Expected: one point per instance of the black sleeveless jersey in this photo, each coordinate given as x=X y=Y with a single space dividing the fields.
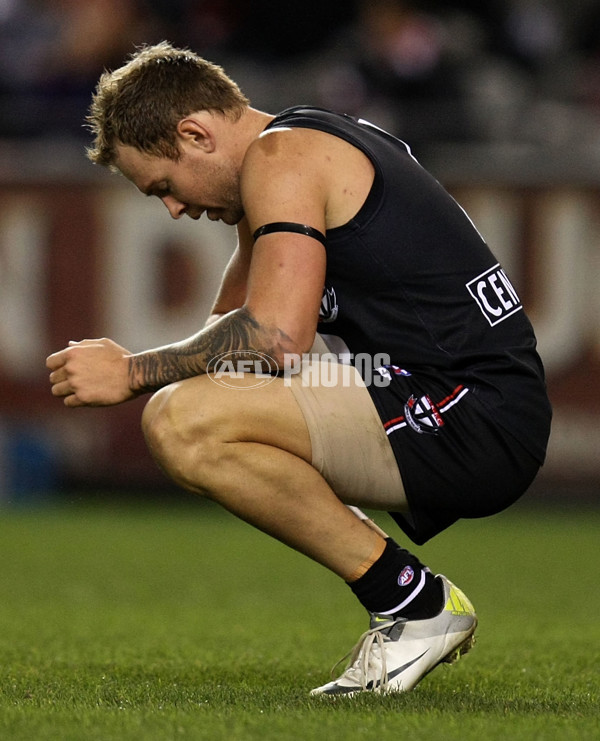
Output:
x=410 y=276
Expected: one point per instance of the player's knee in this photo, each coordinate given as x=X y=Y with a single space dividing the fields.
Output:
x=158 y=425
x=180 y=442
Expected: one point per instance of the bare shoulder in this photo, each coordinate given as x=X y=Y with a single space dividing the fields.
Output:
x=307 y=149
x=282 y=151
x=283 y=180
x=309 y=167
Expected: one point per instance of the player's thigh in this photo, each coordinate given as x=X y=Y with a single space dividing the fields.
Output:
x=327 y=418
x=243 y=408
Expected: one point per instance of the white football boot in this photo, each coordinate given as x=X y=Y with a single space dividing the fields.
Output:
x=395 y=653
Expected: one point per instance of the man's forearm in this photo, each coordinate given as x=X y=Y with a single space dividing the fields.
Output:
x=237 y=331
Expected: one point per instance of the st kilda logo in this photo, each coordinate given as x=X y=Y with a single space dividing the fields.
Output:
x=423 y=415
x=329 y=306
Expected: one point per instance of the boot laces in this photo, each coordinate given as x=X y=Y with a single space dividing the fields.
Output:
x=366 y=661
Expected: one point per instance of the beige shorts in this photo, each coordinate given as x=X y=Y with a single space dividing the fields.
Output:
x=349 y=445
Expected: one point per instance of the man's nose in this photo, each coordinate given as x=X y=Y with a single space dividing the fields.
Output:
x=175 y=207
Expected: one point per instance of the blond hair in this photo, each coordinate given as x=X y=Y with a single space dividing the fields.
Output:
x=141 y=103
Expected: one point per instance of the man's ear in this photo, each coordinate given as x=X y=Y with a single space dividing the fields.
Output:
x=193 y=132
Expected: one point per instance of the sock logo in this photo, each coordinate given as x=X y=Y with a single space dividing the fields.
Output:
x=406 y=576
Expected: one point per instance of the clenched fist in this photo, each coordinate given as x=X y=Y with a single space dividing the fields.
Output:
x=91 y=373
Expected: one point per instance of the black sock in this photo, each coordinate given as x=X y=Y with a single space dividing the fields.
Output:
x=399 y=584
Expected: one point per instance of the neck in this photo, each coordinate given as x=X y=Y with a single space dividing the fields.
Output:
x=245 y=130
x=254 y=122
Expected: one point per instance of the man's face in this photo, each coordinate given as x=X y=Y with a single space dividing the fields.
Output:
x=195 y=184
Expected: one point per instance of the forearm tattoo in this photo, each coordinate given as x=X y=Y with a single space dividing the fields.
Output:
x=238 y=331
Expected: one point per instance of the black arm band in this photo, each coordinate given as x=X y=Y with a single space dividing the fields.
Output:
x=289 y=226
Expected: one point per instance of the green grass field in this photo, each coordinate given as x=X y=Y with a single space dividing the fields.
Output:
x=142 y=622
